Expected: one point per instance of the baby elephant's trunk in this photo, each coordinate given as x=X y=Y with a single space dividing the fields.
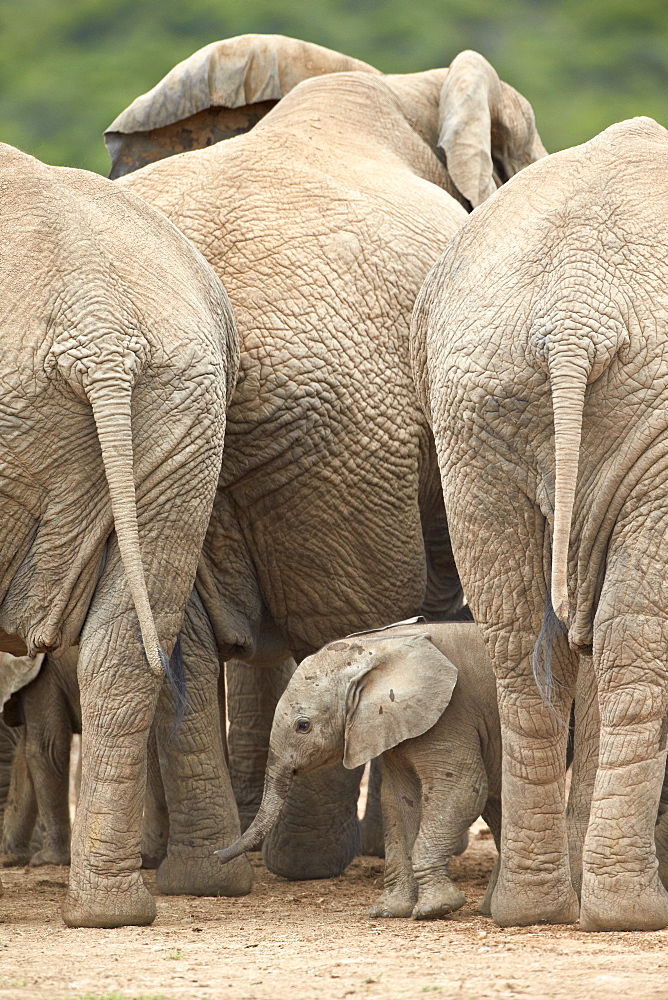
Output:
x=276 y=784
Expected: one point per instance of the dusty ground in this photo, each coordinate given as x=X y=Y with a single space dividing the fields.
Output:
x=312 y=940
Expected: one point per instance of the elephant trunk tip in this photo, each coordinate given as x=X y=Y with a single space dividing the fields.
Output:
x=229 y=853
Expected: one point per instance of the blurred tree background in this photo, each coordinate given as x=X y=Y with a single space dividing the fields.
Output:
x=69 y=67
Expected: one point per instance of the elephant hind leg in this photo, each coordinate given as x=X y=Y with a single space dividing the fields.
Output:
x=202 y=810
x=156 y=816
x=661 y=842
x=621 y=887
x=534 y=881
x=20 y=811
x=585 y=762
x=48 y=742
x=492 y=816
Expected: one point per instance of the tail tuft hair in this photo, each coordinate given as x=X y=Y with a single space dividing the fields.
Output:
x=542 y=651
x=175 y=674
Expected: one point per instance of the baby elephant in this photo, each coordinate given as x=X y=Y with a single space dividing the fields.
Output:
x=423 y=696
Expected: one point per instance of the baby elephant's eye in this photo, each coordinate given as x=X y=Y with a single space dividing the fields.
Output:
x=303 y=726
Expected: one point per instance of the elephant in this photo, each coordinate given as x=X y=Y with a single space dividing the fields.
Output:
x=540 y=353
x=420 y=697
x=119 y=354
x=322 y=221
x=15 y=672
x=47 y=710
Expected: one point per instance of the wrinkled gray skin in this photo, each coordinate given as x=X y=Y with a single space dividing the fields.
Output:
x=323 y=221
x=48 y=710
x=541 y=349
x=422 y=699
x=36 y=760
x=118 y=354
x=15 y=672
x=9 y=741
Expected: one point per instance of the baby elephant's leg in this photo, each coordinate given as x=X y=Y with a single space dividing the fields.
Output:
x=452 y=799
x=400 y=804
x=20 y=811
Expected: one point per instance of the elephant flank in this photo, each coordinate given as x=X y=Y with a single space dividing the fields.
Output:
x=111 y=403
x=568 y=380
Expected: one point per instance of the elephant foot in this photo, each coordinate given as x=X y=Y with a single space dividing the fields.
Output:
x=203 y=875
x=109 y=901
x=622 y=904
x=50 y=856
x=298 y=867
x=297 y=858
x=394 y=903
x=437 y=901
x=520 y=905
x=15 y=859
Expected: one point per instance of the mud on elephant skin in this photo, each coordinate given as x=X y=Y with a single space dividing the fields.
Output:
x=322 y=221
x=541 y=352
x=119 y=352
x=421 y=698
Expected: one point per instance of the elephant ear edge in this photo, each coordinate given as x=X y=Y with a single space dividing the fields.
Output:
x=220 y=91
x=487 y=129
x=401 y=691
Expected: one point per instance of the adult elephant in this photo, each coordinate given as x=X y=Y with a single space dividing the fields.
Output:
x=541 y=348
x=119 y=352
x=323 y=221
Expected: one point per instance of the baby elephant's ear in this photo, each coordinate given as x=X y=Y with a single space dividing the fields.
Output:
x=401 y=690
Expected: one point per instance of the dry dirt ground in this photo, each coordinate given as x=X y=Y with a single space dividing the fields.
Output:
x=312 y=940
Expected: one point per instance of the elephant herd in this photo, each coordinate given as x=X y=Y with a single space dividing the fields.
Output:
x=426 y=313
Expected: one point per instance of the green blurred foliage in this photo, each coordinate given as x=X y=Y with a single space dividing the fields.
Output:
x=68 y=67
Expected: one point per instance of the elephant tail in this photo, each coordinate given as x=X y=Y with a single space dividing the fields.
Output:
x=111 y=402
x=568 y=379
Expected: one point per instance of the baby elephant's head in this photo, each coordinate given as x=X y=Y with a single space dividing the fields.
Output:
x=350 y=701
